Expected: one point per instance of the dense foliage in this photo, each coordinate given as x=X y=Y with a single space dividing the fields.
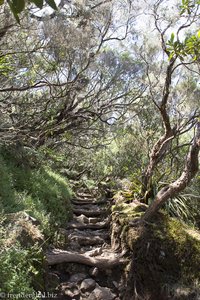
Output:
x=35 y=202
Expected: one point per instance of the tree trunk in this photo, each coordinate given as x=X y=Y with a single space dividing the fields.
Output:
x=156 y=155
x=171 y=190
x=162 y=145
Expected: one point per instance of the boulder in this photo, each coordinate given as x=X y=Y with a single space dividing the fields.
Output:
x=101 y=293
x=87 y=285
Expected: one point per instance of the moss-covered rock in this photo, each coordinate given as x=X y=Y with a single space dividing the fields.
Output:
x=165 y=255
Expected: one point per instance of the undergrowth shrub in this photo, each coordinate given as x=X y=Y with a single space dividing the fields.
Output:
x=20 y=266
x=28 y=190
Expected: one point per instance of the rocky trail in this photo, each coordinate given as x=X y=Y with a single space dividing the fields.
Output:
x=89 y=267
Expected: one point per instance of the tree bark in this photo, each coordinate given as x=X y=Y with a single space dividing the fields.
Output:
x=163 y=143
x=157 y=154
x=171 y=190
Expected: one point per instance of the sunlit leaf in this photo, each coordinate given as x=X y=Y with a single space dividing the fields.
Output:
x=172 y=37
x=38 y=3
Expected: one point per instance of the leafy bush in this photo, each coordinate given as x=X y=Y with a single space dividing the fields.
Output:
x=28 y=189
x=18 y=279
x=17 y=264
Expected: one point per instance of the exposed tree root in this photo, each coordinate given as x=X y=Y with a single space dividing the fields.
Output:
x=59 y=256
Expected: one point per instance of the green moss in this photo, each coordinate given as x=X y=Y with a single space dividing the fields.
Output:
x=127 y=212
x=165 y=253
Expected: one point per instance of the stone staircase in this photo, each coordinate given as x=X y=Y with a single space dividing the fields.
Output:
x=88 y=267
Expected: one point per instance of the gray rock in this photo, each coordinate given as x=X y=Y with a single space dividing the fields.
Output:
x=83 y=219
x=78 y=277
x=101 y=293
x=87 y=285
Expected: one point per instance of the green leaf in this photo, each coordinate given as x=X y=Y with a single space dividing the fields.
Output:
x=19 y=5
x=13 y=9
x=176 y=44
x=198 y=34
x=171 y=55
x=172 y=37
x=52 y=4
x=38 y=3
x=1 y=2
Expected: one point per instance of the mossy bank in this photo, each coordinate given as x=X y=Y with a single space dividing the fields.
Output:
x=164 y=255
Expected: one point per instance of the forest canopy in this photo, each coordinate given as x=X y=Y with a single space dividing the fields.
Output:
x=92 y=73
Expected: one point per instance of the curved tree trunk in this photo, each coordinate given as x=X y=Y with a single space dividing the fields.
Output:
x=157 y=153
x=163 y=143
x=171 y=190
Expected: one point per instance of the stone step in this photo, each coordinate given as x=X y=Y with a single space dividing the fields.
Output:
x=87 y=220
x=88 y=250
x=89 y=212
x=77 y=201
x=82 y=226
x=71 y=232
x=77 y=238
x=84 y=195
x=88 y=241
